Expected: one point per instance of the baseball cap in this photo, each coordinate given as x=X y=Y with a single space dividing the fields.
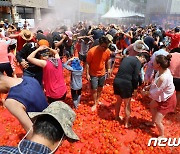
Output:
x=43 y=42
x=62 y=113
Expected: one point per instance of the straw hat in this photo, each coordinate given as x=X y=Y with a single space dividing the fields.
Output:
x=1 y=22
x=26 y=35
x=110 y=38
x=138 y=46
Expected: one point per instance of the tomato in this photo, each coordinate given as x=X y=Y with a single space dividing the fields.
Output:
x=98 y=131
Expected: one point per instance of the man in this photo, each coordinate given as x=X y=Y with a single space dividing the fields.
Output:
x=63 y=42
x=97 y=33
x=150 y=71
x=49 y=128
x=24 y=95
x=135 y=48
x=23 y=37
x=30 y=69
x=175 y=39
x=98 y=59
x=152 y=41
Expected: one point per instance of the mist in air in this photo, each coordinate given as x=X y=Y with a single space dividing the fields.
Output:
x=68 y=12
x=64 y=13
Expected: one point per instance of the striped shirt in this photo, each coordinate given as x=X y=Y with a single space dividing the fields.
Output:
x=26 y=146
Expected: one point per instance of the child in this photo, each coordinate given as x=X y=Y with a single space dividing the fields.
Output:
x=76 y=69
x=11 y=56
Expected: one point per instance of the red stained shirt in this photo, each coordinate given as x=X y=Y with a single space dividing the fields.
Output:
x=175 y=40
x=21 y=42
x=53 y=80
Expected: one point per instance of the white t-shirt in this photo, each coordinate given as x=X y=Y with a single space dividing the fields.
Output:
x=166 y=89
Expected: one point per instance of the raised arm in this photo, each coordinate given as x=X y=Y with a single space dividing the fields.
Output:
x=38 y=62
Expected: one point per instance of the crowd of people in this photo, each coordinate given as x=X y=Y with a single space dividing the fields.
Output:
x=32 y=72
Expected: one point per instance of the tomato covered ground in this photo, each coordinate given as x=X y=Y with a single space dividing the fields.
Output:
x=98 y=131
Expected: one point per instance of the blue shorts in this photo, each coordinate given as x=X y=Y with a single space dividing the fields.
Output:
x=97 y=82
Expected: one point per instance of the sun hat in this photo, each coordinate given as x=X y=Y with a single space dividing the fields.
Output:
x=69 y=34
x=43 y=42
x=63 y=114
x=75 y=64
x=1 y=22
x=26 y=34
x=110 y=38
x=138 y=46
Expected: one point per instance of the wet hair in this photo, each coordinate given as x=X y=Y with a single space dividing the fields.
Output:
x=164 y=61
x=18 y=28
x=11 y=47
x=48 y=127
x=39 y=31
x=86 y=39
x=145 y=55
x=176 y=29
x=104 y=39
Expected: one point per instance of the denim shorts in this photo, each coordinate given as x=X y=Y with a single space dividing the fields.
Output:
x=97 y=81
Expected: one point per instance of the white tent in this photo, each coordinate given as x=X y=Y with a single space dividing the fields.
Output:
x=112 y=13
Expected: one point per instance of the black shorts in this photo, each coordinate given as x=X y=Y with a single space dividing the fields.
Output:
x=82 y=57
x=6 y=67
x=50 y=99
x=123 y=88
x=176 y=82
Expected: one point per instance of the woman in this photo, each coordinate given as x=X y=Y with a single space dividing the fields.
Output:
x=53 y=79
x=24 y=95
x=175 y=70
x=125 y=83
x=162 y=92
x=5 y=65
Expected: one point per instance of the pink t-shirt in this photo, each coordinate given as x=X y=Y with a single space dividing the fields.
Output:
x=12 y=60
x=175 y=65
x=53 y=80
x=4 y=51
